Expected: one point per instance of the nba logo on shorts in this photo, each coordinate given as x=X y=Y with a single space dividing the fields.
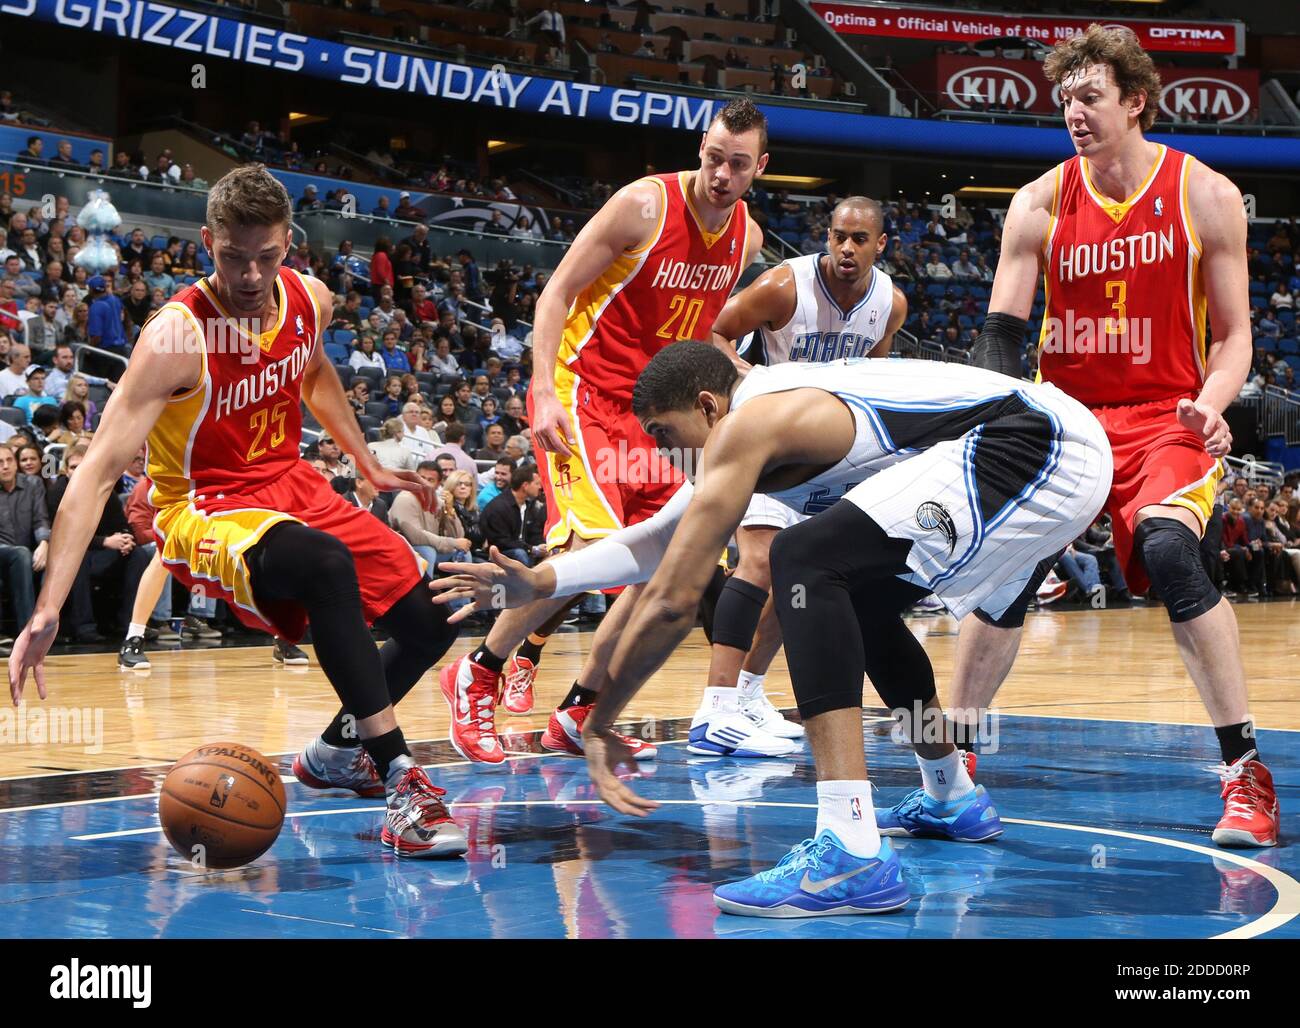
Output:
x=855 y=808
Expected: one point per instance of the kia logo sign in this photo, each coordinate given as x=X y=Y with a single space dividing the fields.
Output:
x=1197 y=95
x=990 y=84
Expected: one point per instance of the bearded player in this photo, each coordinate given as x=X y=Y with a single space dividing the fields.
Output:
x=214 y=389
x=655 y=265
x=812 y=309
x=1130 y=233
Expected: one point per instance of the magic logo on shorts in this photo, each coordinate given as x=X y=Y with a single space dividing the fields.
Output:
x=932 y=517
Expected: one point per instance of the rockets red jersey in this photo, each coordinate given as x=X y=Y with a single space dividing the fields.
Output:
x=671 y=288
x=239 y=427
x=1125 y=317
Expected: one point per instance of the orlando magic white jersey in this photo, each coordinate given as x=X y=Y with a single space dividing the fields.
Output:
x=986 y=474
x=820 y=329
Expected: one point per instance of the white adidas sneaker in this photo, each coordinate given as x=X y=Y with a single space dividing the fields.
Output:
x=719 y=729
x=760 y=710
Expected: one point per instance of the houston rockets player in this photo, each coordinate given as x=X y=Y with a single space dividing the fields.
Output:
x=214 y=389
x=654 y=265
x=816 y=308
x=1126 y=233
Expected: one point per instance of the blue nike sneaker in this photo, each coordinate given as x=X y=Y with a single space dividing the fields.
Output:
x=969 y=819
x=819 y=878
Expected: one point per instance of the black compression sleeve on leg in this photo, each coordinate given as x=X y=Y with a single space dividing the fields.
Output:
x=999 y=344
x=709 y=601
x=297 y=564
x=736 y=618
x=419 y=635
x=818 y=585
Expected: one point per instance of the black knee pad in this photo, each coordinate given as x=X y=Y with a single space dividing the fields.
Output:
x=1014 y=616
x=1172 y=556
x=736 y=618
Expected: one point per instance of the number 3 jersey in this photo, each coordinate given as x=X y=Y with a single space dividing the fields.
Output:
x=1125 y=313
x=239 y=427
x=671 y=288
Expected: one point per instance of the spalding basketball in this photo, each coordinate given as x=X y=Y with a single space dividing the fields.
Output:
x=222 y=805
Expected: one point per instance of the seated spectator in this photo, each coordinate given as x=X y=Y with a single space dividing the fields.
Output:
x=1282 y=298
x=936 y=270
x=490 y=413
x=417 y=355
x=495 y=437
x=453 y=445
x=517 y=449
x=359 y=396
x=31 y=153
x=393 y=395
x=35 y=395
x=72 y=423
x=23 y=285
x=415 y=437
x=382 y=208
x=43 y=333
x=446 y=413
x=482 y=388
x=1282 y=568
x=442 y=361
x=495 y=225
x=365 y=355
x=308 y=201
x=515 y=419
x=1245 y=573
x=24 y=535
x=407 y=211
x=157 y=278
x=460 y=494
x=498 y=480
x=393 y=356
x=113 y=559
x=515 y=521
x=434 y=535
x=390 y=450
x=337 y=464
x=964 y=270
x=422 y=309
x=361 y=492
x=348 y=313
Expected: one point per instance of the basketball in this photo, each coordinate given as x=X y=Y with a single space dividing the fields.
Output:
x=222 y=805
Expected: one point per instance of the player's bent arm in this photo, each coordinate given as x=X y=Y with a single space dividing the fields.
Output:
x=1219 y=219
x=323 y=394
x=665 y=612
x=165 y=361
x=627 y=220
x=767 y=302
x=897 y=315
x=1020 y=260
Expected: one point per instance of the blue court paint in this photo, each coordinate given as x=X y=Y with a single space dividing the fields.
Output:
x=1095 y=813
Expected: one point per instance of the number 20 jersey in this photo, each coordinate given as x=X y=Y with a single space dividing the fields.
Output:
x=669 y=289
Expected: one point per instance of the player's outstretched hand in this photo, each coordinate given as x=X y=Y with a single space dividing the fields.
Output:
x=29 y=655
x=552 y=431
x=495 y=585
x=605 y=755
x=386 y=481
x=1209 y=424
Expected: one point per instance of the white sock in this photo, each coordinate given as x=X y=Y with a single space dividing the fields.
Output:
x=134 y=629
x=946 y=778
x=720 y=697
x=750 y=685
x=845 y=808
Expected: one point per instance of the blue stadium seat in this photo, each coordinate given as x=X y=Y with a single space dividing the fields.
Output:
x=1289 y=346
x=158 y=243
x=344 y=336
x=337 y=353
x=1266 y=343
x=935 y=289
x=965 y=321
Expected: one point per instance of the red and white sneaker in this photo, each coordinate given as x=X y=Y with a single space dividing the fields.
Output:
x=970 y=759
x=1250 y=808
x=320 y=766
x=518 y=694
x=417 y=823
x=471 y=694
x=564 y=734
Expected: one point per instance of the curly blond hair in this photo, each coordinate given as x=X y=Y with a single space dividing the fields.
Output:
x=1132 y=67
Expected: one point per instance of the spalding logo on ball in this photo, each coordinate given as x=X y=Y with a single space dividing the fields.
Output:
x=222 y=805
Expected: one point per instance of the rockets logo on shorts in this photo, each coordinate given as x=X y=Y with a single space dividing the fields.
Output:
x=935 y=517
